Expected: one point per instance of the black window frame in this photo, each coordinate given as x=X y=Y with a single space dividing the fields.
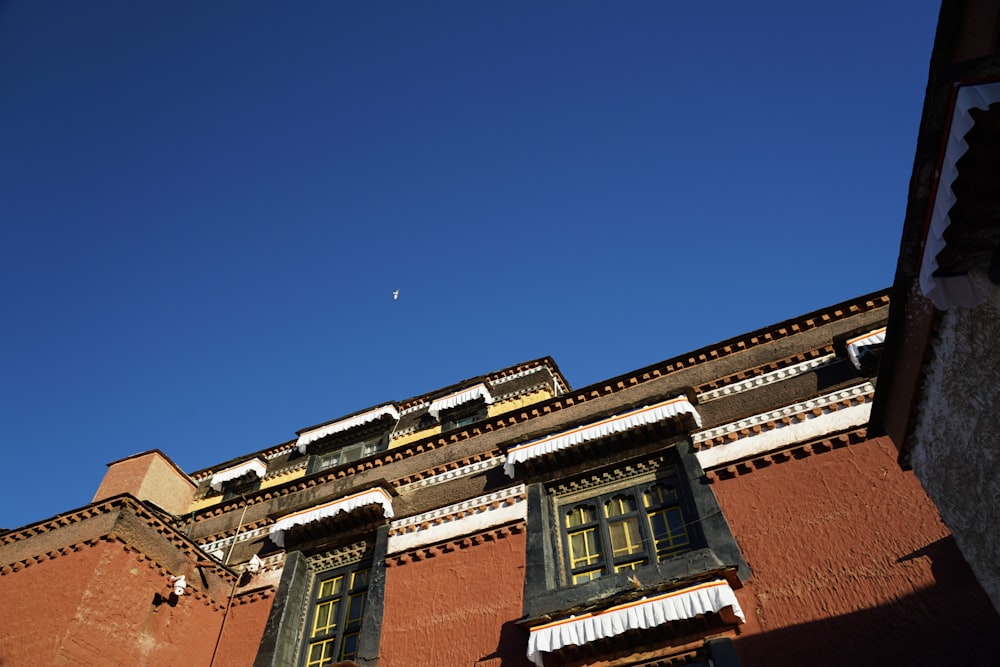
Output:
x=344 y=627
x=460 y=416
x=342 y=451
x=547 y=587
x=606 y=561
x=241 y=486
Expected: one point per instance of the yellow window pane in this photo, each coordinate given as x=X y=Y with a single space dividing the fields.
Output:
x=583 y=549
x=355 y=608
x=659 y=495
x=359 y=579
x=349 y=651
x=619 y=505
x=625 y=537
x=330 y=587
x=625 y=567
x=326 y=617
x=320 y=653
x=669 y=531
x=584 y=577
x=580 y=515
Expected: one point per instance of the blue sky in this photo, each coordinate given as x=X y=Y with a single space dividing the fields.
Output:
x=206 y=206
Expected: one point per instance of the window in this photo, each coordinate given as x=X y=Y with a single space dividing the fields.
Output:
x=624 y=529
x=346 y=454
x=240 y=487
x=649 y=520
x=459 y=418
x=338 y=604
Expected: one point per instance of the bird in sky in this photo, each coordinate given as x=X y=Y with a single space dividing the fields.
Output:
x=395 y=294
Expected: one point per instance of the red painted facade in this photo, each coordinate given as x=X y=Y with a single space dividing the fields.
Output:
x=849 y=559
x=751 y=524
x=457 y=607
x=105 y=604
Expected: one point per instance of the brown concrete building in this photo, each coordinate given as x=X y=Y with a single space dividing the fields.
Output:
x=723 y=507
x=939 y=382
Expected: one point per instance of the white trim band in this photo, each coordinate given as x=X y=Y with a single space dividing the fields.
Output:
x=650 y=414
x=458 y=398
x=465 y=518
x=312 y=436
x=235 y=472
x=712 y=596
x=855 y=345
x=782 y=435
x=348 y=504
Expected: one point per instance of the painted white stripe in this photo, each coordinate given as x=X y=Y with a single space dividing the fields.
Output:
x=782 y=435
x=477 y=515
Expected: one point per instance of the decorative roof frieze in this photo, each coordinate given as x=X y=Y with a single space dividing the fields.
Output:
x=455 y=473
x=765 y=379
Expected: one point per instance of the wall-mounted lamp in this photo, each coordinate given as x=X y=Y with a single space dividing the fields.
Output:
x=178 y=584
x=254 y=564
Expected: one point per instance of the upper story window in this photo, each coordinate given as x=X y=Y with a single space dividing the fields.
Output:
x=239 y=479
x=640 y=521
x=337 y=610
x=347 y=453
x=240 y=487
x=459 y=418
x=624 y=529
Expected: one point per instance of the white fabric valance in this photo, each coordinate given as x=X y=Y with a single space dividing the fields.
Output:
x=235 y=472
x=641 y=614
x=344 y=424
x=855 y=345
x=348 y=504
x=459 y=397
x=650 y=414
x=961 y=290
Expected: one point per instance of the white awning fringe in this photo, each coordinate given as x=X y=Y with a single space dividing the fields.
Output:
x=348 y=504
x=344 y=424
x=855 y=345
x=960 y=290
x=641 y=614
x=235 y=472
x=458 y=398
x=650 y=414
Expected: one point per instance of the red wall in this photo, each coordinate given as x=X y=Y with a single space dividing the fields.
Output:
x=95 y=606
x=457 y=608
x=851 y=565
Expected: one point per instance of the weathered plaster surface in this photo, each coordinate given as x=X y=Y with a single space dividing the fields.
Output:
x=956 y=450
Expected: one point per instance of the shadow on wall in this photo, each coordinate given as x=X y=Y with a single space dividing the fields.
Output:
x=511 y=649
x=949 y=623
